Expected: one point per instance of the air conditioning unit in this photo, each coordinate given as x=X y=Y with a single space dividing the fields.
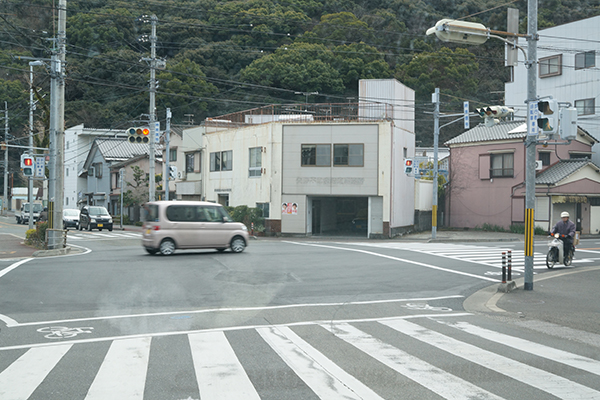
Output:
x=181 y=175
x=538 y=165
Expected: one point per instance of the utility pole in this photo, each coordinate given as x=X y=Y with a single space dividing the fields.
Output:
x=31 y=108
x=167 y=174
x=5 y=200
x=56 y=188
x=121 y=172
x=436 y=135
x=152 y=183
x=530 y=141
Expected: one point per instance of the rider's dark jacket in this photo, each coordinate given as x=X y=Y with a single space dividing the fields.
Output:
x=564 y=228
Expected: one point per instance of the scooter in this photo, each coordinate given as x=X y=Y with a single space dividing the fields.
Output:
x=555 y=253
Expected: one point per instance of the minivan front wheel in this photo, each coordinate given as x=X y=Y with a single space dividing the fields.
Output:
x=167 y=247
x=238 y=244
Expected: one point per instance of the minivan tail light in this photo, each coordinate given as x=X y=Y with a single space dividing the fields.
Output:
x=155 y=228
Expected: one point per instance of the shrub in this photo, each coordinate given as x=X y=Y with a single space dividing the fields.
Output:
x=247 y=215
x=37 y=237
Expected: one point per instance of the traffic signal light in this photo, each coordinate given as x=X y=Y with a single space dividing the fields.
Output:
x=138 y=135
x=548 y=118
x=408 y=166
x=568 y=123
x=172 y=172
x=491 y=114
x=27 y=164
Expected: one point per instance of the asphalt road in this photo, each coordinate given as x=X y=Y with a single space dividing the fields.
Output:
x=286 y=319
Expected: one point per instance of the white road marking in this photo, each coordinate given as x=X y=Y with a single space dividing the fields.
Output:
x=398 y=259
x=122 y=374
x=219 y=373
x=232 y=328
x=21 y=378
x=322 y=375
x=13 y=266
x=228 y=309
x=427 y=375
x=540 y=350
x=542 y=380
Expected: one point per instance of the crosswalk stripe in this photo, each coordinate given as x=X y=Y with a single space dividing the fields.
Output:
x=122 y=374
x=427 y=375
x=22 y=377
x=545 y=381
x=218 y=370
x=322 y=375
x=573 y=360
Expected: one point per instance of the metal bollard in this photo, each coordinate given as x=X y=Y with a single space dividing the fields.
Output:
x=509 y=277
x=503 y=267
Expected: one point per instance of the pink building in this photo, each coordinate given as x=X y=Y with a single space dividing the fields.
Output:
x=487 y=179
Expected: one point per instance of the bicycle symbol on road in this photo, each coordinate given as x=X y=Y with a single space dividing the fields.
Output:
x=425 y=306
x=62 y=332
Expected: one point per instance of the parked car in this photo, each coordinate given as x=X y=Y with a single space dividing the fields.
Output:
x=22 y=215
x=170 y=225
x=70 y=218
x=95 y=217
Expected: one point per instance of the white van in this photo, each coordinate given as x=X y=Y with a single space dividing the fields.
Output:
x=170 y=225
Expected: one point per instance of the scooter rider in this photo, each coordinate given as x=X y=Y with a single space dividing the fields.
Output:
x=566 y=229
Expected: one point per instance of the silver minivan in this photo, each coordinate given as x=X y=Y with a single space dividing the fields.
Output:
x=170 y=225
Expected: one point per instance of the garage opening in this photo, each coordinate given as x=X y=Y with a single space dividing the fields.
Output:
x=339 y=216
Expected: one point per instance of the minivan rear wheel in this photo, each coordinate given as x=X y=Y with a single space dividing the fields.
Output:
x=167 y=247
x=238 y=244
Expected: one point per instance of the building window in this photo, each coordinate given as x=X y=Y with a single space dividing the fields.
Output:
x=551 y=66
x=172 y=154
x=502 y=165
x=189 y=162
x=98 y=170
x=221 y=161
x=264 y=207
x=585 y=106
x=318 y=155
x=580 y=155
x=254 y=169
x=348 y=154
x=585 y=60
x=544 y=157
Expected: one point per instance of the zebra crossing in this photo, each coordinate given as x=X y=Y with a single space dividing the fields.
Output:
x=85 y=235
x=450 y=357
x=489 y=256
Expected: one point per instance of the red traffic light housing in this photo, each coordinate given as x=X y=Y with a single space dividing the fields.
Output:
x=138 y=135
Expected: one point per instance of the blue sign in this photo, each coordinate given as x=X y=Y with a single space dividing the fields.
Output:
x=466 y=109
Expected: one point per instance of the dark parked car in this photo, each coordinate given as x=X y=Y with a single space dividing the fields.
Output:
x=70 y=218
x=95 y=217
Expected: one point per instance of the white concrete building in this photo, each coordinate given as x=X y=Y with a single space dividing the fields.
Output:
x=78 y=142
x=567 y=71
x=313 y=169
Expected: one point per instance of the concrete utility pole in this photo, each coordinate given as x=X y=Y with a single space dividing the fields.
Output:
x=56 y=190
x=152 y=183
x=436 y=135
x=530 y=141
x=5 y=199
x=167 y=174
x=31 y=108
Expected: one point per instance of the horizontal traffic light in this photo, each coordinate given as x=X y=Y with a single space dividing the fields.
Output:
x=138 y=135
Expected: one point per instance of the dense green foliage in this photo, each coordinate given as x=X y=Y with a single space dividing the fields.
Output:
x=226 y=56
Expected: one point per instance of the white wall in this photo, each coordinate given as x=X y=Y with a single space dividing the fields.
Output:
x=572 y=84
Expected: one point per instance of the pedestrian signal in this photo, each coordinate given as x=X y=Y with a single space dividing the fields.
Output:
x=408 y=166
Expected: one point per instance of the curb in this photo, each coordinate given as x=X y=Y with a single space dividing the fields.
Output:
x=56 y=252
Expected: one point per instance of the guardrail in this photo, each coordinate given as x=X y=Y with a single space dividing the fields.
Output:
x=56 y=238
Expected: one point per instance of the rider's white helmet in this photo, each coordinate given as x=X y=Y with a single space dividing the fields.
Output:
x=564 y=214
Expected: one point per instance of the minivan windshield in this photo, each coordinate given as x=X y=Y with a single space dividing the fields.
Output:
x=98 y=211
x=69 y=212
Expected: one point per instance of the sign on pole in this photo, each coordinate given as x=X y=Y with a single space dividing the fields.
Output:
x=532 y=118
x=466 y=109
x=40 y=166
x=157 y=132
